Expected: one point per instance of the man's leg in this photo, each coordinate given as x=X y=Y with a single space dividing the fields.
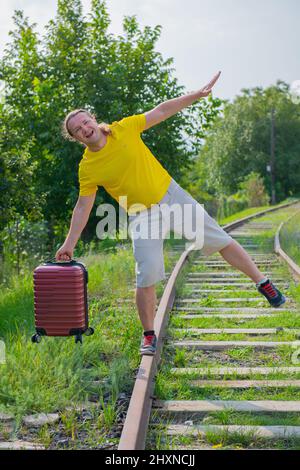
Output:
x=146 y=300
x=146 y=305
x=149 y=257
x=235 y=255
x=215 y=237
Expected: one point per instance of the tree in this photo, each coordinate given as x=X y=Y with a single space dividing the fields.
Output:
x=79 y=64
x=17 y=125
x=253 y=190
x=239 y=142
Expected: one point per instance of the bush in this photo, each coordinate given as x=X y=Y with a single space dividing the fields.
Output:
x=230 y=205
x=290 y=237
x=253 y=190
x=24 y=244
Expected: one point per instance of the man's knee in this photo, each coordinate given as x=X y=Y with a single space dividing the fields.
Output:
x=148 y=280
x=146 y=289
x=229 y=244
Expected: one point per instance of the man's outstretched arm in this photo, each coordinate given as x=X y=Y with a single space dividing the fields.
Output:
x=169 y=108
x=79 y=220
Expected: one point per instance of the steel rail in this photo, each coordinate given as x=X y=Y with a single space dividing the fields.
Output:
x=134 y=431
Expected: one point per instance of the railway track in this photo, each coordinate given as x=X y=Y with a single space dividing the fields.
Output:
x=224 y=374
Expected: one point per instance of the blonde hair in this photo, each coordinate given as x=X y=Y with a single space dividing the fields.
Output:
x=66 y=131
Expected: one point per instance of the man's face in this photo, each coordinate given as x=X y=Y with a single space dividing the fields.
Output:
x=84 y=128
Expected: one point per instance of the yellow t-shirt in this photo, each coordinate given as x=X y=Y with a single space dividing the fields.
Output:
x=125 y=167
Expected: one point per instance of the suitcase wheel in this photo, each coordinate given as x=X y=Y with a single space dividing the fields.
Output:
x=78 y=339
x=36 y=338
x=89 y=331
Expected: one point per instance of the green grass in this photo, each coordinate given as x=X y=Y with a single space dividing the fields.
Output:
x=280 y=336
x=56 y=373
x=182 y=389
x=242 y=214
x=249 y=211
x=285 y=320
x=290 y=238
x=222 y=441
x=230 y=416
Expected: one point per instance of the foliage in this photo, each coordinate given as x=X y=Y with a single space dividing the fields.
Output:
x=251 y=193
x=78 y=63
x=253 y=189
x=238 y=143
x=230 y=205
x=24 y=240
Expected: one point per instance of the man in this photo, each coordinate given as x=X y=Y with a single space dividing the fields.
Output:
x=116 y=158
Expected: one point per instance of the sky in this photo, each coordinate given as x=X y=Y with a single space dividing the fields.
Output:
x=253 y=42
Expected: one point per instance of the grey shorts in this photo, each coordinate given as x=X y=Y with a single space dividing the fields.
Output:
x=187 y=219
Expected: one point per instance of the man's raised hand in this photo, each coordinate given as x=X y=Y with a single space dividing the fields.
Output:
x=206 y=90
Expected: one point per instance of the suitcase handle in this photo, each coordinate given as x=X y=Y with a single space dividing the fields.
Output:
x=67 y=263
x=54 y=260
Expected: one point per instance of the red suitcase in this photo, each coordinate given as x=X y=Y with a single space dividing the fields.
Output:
x=60 y=300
